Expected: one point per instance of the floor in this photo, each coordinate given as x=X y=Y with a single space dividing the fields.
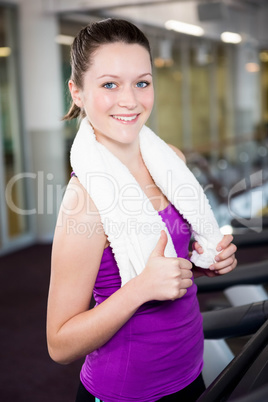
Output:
x=27 y=372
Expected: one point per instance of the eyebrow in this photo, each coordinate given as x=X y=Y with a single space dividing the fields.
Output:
x=116 y=76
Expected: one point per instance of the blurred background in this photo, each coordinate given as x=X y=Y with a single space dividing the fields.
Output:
x=210 y=61
x=211 y=83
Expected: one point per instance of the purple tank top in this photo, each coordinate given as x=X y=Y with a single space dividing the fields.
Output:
x=159 y=350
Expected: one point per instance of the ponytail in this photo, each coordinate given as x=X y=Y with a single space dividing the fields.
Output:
x=74 y=112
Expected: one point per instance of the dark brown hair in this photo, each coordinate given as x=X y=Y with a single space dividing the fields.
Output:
x=89 y=39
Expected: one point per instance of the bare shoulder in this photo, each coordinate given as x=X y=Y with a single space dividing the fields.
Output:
x=79 y=223
x=76 y=200
x=77 y=204
x=178 y=152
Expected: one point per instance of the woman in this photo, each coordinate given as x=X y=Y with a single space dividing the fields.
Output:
x=143 y=341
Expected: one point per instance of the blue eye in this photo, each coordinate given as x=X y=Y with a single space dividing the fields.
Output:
x=142 y=84
x=109 y=85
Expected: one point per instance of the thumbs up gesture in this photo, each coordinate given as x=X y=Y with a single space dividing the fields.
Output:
x=165 y=278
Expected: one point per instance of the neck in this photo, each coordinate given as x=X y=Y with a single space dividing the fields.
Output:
x=128 y=154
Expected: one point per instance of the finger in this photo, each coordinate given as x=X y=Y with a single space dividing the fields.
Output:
x=186 y=283
x=180 y=263
x=225 y=263
x=181 y=293
x=226 y=253
x=184 y=264
x=226 y=240
x=227 y=269
x=161 y=245
x=196 y=246
x=186 y=274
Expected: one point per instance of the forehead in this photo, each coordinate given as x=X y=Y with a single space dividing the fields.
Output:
x=121 y=56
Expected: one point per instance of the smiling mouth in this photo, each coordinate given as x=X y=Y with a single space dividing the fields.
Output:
x=125 y=118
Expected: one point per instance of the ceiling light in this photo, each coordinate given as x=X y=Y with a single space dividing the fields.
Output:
x=5 y=51
x=64 y=40
x=252 y=67
x=231 y=37
x=182 y=27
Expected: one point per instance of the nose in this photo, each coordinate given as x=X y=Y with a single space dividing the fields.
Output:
x=127 y=98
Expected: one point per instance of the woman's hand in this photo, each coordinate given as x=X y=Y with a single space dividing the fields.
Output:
x=165 y=278
x=225 y=261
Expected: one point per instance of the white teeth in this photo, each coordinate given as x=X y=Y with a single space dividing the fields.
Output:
x=125 y=118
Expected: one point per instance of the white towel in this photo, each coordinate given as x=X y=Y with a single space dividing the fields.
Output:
x=129 y=220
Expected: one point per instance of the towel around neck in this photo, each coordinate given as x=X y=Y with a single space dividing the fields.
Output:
x=129 y=219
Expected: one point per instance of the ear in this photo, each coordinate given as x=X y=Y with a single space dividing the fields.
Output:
x=75 y=93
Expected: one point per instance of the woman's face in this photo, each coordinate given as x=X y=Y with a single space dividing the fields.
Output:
x=118 y=93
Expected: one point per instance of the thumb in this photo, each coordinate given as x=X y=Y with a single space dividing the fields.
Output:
x=160 y=246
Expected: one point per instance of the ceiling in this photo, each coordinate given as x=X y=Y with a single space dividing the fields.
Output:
x=247 y=17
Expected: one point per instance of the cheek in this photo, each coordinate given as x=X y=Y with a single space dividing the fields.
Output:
x=98 y=108
x=103 y=102
x=148 y=99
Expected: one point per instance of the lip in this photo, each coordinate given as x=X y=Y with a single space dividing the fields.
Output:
x=131 y=117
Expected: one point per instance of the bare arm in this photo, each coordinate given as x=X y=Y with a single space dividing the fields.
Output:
x=72 y=329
